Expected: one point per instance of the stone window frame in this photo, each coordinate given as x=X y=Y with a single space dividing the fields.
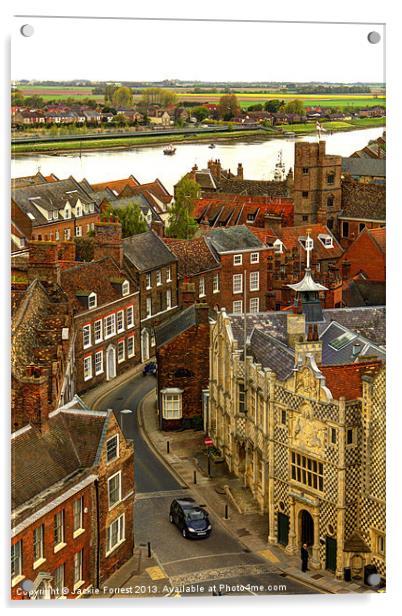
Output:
x=300 y=461
x=331 y=431
x=378 y=536
x=353 y=431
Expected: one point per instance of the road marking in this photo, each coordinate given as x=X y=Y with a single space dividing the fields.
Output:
x=213 y=555
x=155 y=573
x=268 y=555
x=160 y=494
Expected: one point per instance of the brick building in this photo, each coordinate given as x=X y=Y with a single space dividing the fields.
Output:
x=72 y=503
x=154 y=268
x=197 y=266
x=363 y=205
x=56 y=210
x=317 y=192
x=182 y=355
x=366 y=256
x=105 y=302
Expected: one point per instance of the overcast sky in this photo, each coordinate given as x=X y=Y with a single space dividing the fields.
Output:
x=118 y=50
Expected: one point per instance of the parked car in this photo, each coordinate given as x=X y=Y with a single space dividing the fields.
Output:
x=191 y=519
x=149 y=369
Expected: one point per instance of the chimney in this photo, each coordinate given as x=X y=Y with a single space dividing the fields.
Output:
x=202 y=313
x=345 y=269
x=31 y=401
x=240 y=171
x=357 y=347
x=43 y=262
x=158 y=227
x=108 y=241
x=193 y=172
x=296 y=329
x=66 y=253
x=187 y=293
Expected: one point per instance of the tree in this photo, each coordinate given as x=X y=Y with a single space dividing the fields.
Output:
x=130 y=217
x=122 y=97
x=273 y=105
x=158 y=96
x=228 y=106
x=109 y=91
x=295 y=106
x=181 y=221
x=200 y=113
x=257 y=107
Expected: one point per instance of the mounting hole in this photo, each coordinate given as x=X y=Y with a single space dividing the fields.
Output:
x=27 y=30
x=374 y=37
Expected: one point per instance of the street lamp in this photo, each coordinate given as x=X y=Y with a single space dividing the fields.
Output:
x=124 y=413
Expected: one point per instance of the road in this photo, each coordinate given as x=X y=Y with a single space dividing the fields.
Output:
x=193 y=567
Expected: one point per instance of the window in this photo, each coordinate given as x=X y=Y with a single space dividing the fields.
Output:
x=86 y=336
x=331 y=178
x=168 y=299
x=38 y=537
x=254 y=281
x=88 y=368
x=125 y=288
x=114 y=489
x=148 y=280
x=58 y=528
x=120 y=321
x=305 y=170
x=58 y=581
x=78 y=231
x=215 y=283
x=237 y=259
x=78 y=511
x=278 y=247
x=99 y=362
x=330 y=201
x=237 y=283
x=98 y=331
x=345 y=229
x=201 y=288
x=115 y=534
x=254 y=304
x=238 y=307
x=91 y=207
x=361 y=226
x=169 y=274
x=307 y=471
x=16 y=559
x=149 y=306
x=304 y=218
x=326 y=240
x=254 y=257
x=55 y=215
x=112 y=448
x=67 y=234
x=92 y=300
x=67 y=212
x=304 y=194
x=158 y=278
x=242 y=398
x=78 y=210
x=110 y=325
x=350 y=436
x=56 y=235
x=283 y=417
x=380 y=545
x=130 y=347
x=171 y=404
x=78 y=558
x=332 y=435
x=130 y=316
x=153 y=342
x=121 y=351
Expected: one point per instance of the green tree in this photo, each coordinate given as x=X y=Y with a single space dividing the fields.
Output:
x=109 y=91
x=200 y=113
x=228 y=106
x=272 y=105
x=122 y=97
x=130 y=217
x=295 y=106
x=181 y=221
x=157 y=96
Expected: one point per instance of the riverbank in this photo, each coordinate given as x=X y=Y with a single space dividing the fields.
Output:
x=57 y=148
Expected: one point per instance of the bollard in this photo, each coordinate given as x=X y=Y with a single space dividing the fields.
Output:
x=167 y=446
x=149 y=549
x=209 y=466
x=226 y=512
x=195 y=477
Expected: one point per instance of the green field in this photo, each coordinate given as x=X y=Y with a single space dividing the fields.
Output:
x=334 y=126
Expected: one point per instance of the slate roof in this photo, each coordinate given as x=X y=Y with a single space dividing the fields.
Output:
x=331 y=356
x=28 y=180
x=363 y=201
x=271 y=353
x=368 y=321
x=41 y=460
x=254 y=187
x=176 y=325
x=195 y=256
x=374 y=167
x=146 y=251
x=233 y=238
x=362 y=292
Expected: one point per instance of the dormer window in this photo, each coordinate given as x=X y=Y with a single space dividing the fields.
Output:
x=278 y=247
x=49 y=216
x=307 y=243
x=78 y=210
x=91 y=207
x=67 y=211
x=55 y=215
x=125 y=288
x=92 y=300
x=326 y=240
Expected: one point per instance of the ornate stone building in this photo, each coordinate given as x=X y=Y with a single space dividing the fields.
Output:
x=302 y=421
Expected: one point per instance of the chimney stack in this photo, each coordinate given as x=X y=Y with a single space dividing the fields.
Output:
x=108 y=241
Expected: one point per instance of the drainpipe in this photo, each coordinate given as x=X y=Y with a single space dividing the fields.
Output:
x=97 y=552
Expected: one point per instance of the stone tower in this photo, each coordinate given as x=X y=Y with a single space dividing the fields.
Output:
x=317 y=185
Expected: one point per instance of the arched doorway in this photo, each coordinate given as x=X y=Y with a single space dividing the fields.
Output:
x=110 y=363
x=144 y=345
x=306 y=528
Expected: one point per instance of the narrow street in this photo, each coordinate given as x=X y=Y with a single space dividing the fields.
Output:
x=218 y=560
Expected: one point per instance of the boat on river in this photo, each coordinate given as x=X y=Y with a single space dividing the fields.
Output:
x=169 y=150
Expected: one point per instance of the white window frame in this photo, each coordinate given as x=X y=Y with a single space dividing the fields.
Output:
x=169 y=399
x=78 y=565
x=125 y=288
x=121 y=356
x=237 y=283
x=60 y=587
x=87 y=366
x=237 y=259
x=67 y=212
x=120 y=521
x=16 y=561
x=112 y=438
x=215 y=284
x=168 y=299
x=78 y=512
x=109 y=322
x=78 y=231
x=238 y=306
x=254 y=281
x=130 y=354
x=158 y=278
x=91 y=207
x=130 y=317
x=148 y=279
x=118 y=474
x=98 y=331
x=149 y=306
x=120 y=317
x=98 y=354
x=67 y=234
x=86 y=336
x=92 y=300
x=201 y=287
x=254 y=301
x=255 y=257
x=39 y=558
x=57 y=546
x=57 y=235
x=169 y=274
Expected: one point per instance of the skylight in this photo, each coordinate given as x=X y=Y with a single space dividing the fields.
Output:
x=343 y=340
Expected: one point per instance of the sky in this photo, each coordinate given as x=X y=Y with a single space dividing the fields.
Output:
x=119 y=50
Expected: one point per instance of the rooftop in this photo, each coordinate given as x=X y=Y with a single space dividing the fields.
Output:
x=232 y=239
x=146 y=251
x=195 y=256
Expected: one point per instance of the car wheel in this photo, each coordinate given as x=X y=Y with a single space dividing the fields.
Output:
x=170 y=518
x=184 y=533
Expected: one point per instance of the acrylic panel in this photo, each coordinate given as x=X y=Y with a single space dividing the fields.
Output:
x=198 y=308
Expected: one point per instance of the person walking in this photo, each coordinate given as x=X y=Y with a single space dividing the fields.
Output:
x=304 y=558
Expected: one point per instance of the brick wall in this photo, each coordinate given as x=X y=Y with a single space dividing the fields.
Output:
x=365 y=256
x=108 y=241
x=158 y=294
x=57 y=230
x=228 y=270
x=209 y=297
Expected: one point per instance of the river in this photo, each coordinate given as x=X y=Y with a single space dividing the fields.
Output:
x=148 y=163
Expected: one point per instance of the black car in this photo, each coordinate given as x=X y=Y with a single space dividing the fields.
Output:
x=191 y=519
x=149 y=369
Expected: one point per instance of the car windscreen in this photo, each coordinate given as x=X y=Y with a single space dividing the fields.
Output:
x=195 y=515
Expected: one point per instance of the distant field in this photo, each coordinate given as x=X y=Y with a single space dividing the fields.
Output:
x=245 y=98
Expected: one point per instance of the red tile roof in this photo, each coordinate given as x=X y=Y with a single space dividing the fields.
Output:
x=156 y=189
x=231 y=209
x=194 y=255
x=379 y=236
x=117 y=185
x=290 y=237
x=346 y=380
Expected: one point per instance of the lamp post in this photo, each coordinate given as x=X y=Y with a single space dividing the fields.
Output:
x=123 y=414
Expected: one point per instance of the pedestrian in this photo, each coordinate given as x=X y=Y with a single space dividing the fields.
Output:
x=304 y=557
